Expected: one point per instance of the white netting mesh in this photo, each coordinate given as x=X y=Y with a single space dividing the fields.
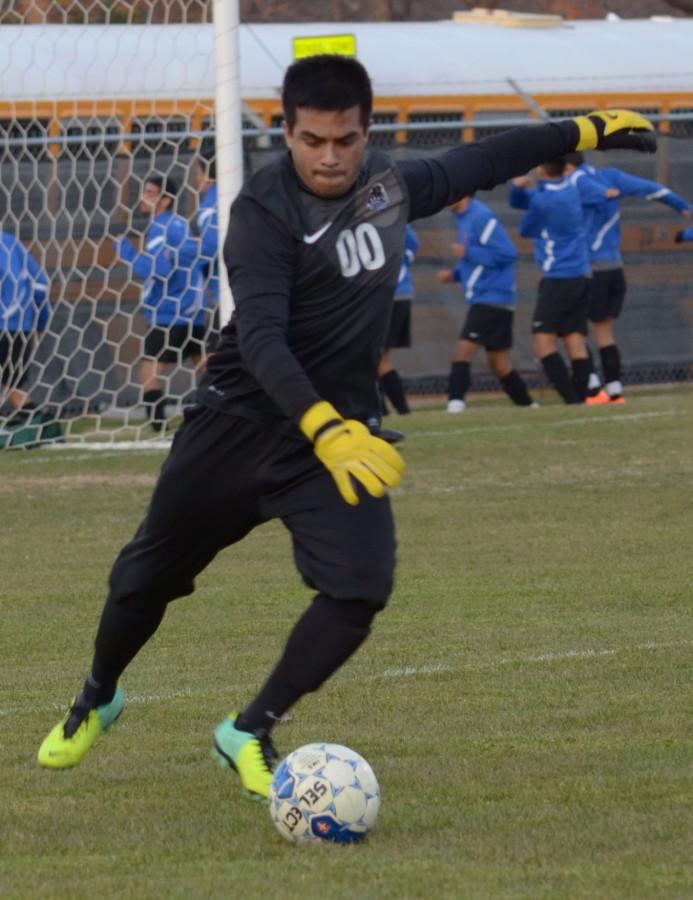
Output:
x=98 y=95
x=89 y=111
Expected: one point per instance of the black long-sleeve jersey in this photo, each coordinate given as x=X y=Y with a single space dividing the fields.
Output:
x=313 y=279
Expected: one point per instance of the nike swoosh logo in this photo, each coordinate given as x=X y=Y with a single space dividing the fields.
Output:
x=312 y=238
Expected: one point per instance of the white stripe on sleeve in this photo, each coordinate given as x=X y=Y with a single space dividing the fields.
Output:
x=488 y=231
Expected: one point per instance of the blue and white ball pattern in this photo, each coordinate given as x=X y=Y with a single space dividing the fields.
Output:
x=324 y=792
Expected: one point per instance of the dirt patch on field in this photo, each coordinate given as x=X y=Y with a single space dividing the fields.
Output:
x=21 y=484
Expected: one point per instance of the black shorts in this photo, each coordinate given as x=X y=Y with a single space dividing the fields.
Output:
x=488 y=325
x=15 y=353
x=224 y=476
x=399 y=334
x=562 y=306
x=608 y=294
x=169 y=344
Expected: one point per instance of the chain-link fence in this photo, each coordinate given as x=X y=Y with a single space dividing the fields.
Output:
x=64 y=206
x=655 y=330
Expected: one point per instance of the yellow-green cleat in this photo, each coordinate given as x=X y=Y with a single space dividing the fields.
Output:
x=252 y=756
x=67 y=743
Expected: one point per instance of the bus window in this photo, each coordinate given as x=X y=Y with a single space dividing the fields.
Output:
x=90 y=132
x=24 y=129
x=434 y=137
x=155 y=125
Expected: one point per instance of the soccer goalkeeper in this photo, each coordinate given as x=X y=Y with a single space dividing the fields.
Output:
x=313 y=252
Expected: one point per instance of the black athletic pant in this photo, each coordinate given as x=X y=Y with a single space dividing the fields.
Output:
x=224 y=476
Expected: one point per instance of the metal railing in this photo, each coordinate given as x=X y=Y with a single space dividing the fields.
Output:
x=499 y=122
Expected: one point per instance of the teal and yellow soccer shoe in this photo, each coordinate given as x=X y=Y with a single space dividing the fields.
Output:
x=67 y=743
x=252 y=756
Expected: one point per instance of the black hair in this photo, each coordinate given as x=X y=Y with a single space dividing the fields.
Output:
x=168 y=186
x=576 y=158
x=327 y=82
x=555 y=167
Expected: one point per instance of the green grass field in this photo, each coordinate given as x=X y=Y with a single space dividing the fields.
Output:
x=525 y=701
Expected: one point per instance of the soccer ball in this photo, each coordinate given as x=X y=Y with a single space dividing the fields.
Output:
x=324 y=792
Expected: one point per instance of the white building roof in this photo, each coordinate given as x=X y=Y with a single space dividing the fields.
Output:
x=60 y=62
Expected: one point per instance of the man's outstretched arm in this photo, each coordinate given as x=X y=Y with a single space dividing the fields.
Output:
x=437 y=182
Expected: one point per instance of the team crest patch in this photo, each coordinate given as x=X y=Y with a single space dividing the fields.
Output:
x=377 y=197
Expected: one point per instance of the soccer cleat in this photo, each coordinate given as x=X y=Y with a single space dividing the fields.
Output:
x=618 y=399
x=456 y=406
x=67 y=743
x=252 y=756
x=598 y=399
x=386 y=434
x=375 y=427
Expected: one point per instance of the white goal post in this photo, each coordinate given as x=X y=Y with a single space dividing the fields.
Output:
x=93 y=106
x=229 y=152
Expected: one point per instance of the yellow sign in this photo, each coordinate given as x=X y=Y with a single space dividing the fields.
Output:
x=342 y=44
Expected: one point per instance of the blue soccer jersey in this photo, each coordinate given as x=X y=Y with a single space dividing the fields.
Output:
x=604 y=234
x=208 y=228
x=169 y=265
x=24 y=301
x=487 y=269
x=554 y=218
x=405 y=287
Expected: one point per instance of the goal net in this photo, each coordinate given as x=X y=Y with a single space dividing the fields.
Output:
x=108 y=289
x=107 y=113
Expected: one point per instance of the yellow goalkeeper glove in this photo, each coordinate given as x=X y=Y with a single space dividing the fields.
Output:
x=349 y=451
x=615 y=129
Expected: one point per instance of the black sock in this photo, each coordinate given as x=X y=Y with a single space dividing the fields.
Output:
x=515 y=387
x=581 y=375
x=123 y=631
x=393 y=389
x=460 y=379
x=151 y=400
x=158 y=418
x=557 y=373
x=611 y=363
x=96 y=694
x=325 y=636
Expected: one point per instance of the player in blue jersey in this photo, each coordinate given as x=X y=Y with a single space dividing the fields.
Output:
x=593 y=196
x=313 y=253
x=554 y=218
x=24 y=313
x=206 y=221
x=399 y=332
x=172 y=297
x=486 y=272
x=608 y=279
